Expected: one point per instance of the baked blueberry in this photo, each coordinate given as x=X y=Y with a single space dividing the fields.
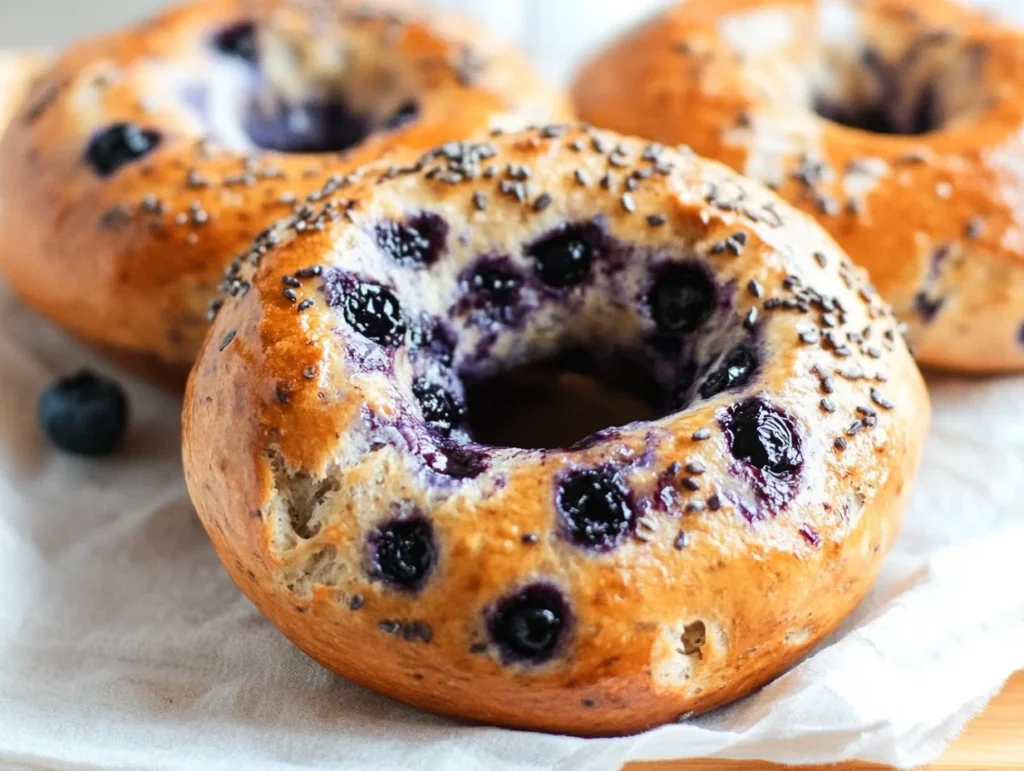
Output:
x=84 y=414
x=119 y=144
x=563 y=258
x=441 y=409
x=529 y=625
x=682 y=298
x=763 y=436
x=403 y=552
x=371 y=309
x=406 y=113
x=239 y=41
x=595 y=508
x=735 y=370
x=415 y=243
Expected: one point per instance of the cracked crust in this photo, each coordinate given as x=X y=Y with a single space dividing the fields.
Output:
x=935 y=217
x=302 y=439
x=129 y=262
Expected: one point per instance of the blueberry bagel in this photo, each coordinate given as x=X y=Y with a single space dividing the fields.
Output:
x=334 y=451
x=146 y=160
x=896 y=123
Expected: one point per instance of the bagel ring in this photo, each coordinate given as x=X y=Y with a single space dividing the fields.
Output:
x=664 y=566
x=898 y=124
x=146 y=160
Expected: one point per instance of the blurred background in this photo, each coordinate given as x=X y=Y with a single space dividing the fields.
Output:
x=554 y=32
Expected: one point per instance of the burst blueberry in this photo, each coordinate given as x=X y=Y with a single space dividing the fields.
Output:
x=763 y=436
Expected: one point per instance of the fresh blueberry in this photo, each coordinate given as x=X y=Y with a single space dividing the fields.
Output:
x=763 y=436
x=403 y=552
x=735 y=370
x=529 y=625
x=84 y=414
x=682 y=298
x=595 y=508
x=563 y=258
x=441 y=408
x=118 y=145
x=417 y=243
x=239 y=41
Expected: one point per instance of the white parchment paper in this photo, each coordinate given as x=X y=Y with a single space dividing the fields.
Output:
x=124 y=645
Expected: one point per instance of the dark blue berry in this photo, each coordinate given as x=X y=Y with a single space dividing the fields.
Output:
x=736 y=369
x=402 y=552
x=406 y=113
x=374 y=312
x=441 y=409
x=415 y=243
x=595 y=508
x=84 y=414
x=118 y=145
x=494 y=288
x=528 y=626
x=239 y=41
x=682 y=299
x=763 y=436
x=564 y=257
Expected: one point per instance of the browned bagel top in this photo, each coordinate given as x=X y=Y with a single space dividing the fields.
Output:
x=901 y=135
x=146 y=159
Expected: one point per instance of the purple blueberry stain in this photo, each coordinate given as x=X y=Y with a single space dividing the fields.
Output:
x=529 y=626
x=595 y=507
x=371 y=309
x=402 y=553
x=118 y=145
x=928 y=307
x=417 y=242
x=563 y=258
x=406 y=113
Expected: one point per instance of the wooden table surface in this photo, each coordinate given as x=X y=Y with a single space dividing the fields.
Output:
x=993 y=742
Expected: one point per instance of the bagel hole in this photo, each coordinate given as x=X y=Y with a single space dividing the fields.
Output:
x=551 y=405
x=272 y=91
x=891 y=76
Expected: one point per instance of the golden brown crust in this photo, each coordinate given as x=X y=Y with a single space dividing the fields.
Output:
x=933 y=217
x=131 y=260
x=301 y=439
